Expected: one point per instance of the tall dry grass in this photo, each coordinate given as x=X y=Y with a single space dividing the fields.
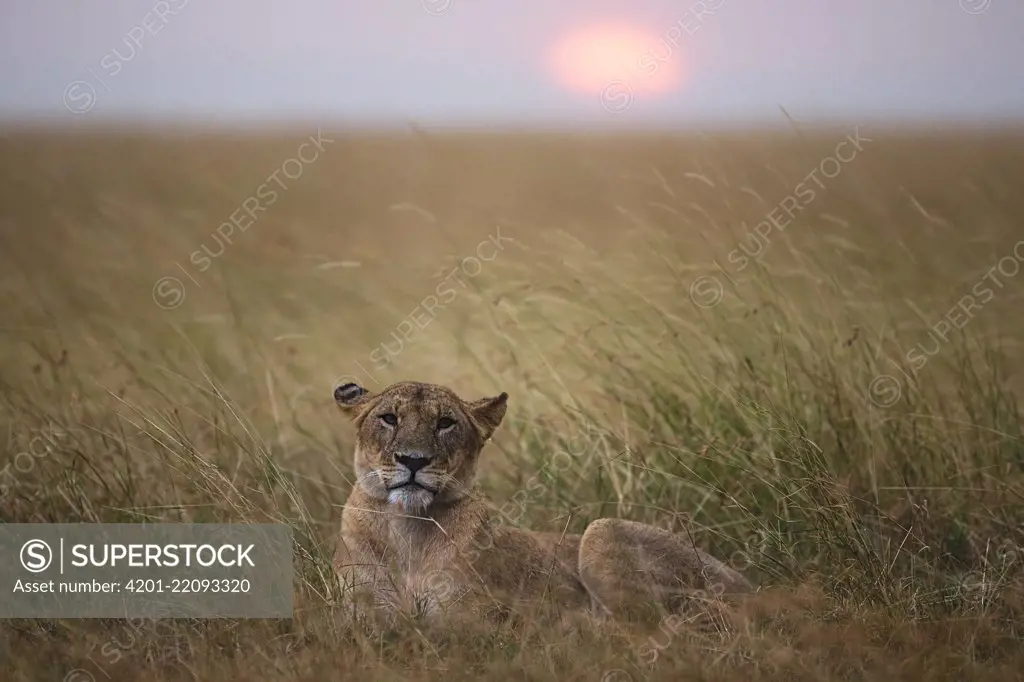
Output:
x=650 y=378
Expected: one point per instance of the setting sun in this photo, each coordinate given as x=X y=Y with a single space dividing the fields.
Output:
x=589 y=59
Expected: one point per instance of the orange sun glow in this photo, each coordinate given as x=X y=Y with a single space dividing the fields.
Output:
x=589 y=59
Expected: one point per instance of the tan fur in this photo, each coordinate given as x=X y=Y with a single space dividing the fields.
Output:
x=429 y=549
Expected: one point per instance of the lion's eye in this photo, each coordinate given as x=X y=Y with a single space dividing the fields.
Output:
x=445 y=423
x=389 y=419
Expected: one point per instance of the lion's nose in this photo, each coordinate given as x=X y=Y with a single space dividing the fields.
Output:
x=413 y=461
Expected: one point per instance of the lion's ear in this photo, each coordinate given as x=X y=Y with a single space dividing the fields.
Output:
x=488 y=413
x=351 y=398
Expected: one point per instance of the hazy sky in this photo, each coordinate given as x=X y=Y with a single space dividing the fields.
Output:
x=491 y=60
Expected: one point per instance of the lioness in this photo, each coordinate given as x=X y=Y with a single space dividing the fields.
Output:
x=416 y=533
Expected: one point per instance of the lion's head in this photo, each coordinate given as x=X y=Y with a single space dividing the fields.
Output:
x=418 y=444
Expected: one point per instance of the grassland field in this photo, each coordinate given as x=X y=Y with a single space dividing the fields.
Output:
x=804 y=347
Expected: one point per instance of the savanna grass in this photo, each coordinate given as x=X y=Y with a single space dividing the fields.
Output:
x=883 y=520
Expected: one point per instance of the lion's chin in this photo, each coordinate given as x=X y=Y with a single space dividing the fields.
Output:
x=410 y=498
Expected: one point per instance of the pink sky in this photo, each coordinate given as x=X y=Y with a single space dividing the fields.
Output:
x=490 y=60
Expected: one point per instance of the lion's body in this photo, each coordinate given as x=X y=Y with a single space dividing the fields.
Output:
x=448 y=555
x=429 y=541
